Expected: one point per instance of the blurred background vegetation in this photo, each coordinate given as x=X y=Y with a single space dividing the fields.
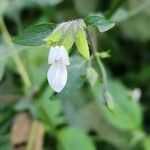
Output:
x=76 y=119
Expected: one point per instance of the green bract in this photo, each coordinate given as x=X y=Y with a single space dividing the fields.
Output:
x=82 y=43
x=69 y=39
x=67 y=33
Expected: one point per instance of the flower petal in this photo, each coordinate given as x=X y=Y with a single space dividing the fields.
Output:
x=57 y=76
x=57 y=53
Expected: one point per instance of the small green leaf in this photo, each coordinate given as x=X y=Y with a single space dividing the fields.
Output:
x=68 y=39
x=81 y=42
x=34 y=35
x=74 y=139
x=104 y=54
x=99 y=21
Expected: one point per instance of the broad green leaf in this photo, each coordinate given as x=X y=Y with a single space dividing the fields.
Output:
x=74 y=139
x=82 y=43
x=127 y=114
x=99 y=21
x=34 y=35
x=56 y=36
x=91 y=118
x=68 y=39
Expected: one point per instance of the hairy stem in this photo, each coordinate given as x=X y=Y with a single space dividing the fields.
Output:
x=99 y=62
x=105 y=94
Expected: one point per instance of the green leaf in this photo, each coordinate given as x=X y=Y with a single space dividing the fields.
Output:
x=91 y=118
x=99 y=21
x=68 y=39
x=82 y=43
x=34 y=35
x=74 y=139
x=127 y=112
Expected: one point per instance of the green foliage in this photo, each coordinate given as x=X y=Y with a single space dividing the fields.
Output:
x=127 y=114
x=75 y=139
x=79 y=108
x=34 y=35
x=99 y=21
x=81 y=42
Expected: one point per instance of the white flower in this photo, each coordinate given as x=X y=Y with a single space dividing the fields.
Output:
x=57 y=73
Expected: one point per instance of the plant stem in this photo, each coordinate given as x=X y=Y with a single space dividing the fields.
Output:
x=16 y=57
x=105 y=94
x=99 y=62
